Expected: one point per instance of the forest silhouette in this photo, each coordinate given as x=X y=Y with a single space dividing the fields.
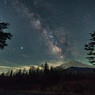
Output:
x=48 y=79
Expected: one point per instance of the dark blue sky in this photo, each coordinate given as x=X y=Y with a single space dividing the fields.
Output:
x=46 y=30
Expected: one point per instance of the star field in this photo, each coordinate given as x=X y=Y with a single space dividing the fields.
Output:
x=46 y=30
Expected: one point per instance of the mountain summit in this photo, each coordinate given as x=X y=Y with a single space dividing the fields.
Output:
x=74 y=63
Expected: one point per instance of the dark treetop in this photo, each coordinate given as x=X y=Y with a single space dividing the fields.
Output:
x=3 y=35
x=90 y=47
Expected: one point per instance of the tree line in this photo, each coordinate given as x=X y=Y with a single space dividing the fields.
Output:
x=48 y=79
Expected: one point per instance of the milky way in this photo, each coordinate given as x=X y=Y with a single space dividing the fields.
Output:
x=46 y=30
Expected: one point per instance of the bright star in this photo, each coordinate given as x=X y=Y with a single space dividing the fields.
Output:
x=21 y=47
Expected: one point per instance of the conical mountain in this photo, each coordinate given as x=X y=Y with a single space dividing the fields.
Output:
x=74 y=63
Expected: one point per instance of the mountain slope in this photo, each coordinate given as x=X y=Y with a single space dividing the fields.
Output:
x=74 y=64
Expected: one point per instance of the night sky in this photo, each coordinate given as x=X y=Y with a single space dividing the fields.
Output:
x=52 y=31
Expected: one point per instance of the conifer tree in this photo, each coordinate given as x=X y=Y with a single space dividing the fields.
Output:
x=4 y=35
x=90 y=47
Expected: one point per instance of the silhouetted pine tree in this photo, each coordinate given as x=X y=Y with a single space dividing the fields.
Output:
x=90 y=47
x=3 y=35
x=45 y=68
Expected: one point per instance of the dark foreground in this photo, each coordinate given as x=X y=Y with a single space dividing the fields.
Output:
x=26 y=93
x=29 y=93
x=40 y=93
x=3 y=92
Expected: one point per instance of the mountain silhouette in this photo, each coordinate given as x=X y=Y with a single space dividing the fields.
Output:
x=74 y=63
x=76 y=66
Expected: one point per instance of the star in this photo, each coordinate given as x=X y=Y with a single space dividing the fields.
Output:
x=21 y=48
